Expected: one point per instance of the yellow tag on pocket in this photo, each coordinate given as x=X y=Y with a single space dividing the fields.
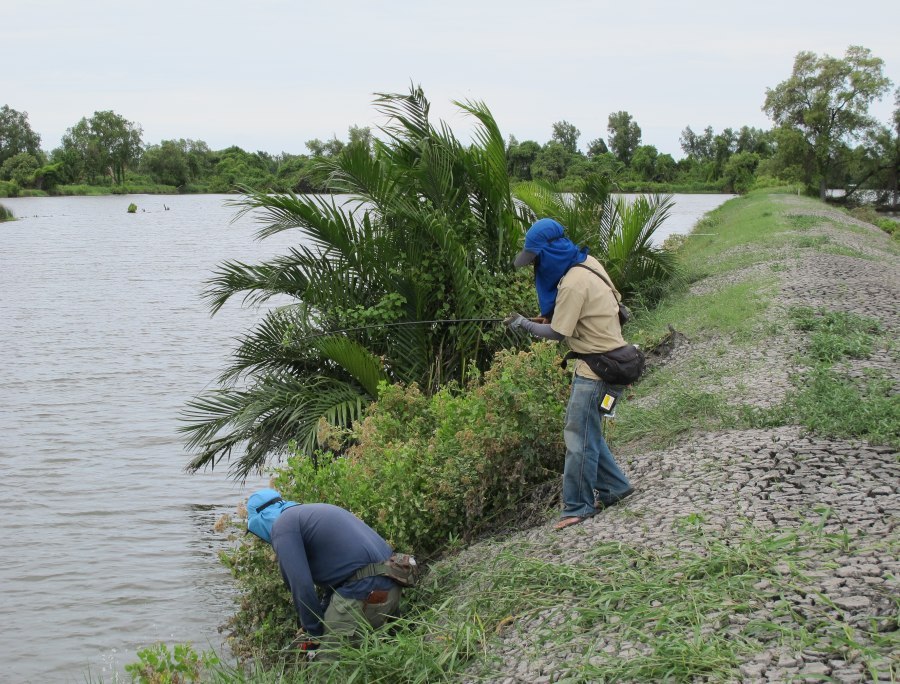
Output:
x=607 y=403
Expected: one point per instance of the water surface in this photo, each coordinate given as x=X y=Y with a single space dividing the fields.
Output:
x=108 y=545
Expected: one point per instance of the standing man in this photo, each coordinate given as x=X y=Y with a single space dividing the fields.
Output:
x=323 y=545
x=581 y=307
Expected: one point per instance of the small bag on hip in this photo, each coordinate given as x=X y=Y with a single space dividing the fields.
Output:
x=403 y=569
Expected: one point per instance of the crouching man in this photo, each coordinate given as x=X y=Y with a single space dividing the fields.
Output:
x=322 y=545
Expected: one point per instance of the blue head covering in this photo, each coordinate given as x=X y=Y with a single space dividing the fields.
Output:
x=263 y=508
x=555 y=254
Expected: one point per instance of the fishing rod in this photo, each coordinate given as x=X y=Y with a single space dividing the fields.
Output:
x=444 y=321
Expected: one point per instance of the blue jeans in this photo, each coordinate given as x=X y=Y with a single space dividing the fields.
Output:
x=589 y=463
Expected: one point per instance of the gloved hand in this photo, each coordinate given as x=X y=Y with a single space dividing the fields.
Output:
x=514 y=321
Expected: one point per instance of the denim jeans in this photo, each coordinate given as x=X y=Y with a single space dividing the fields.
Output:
x=589 y=463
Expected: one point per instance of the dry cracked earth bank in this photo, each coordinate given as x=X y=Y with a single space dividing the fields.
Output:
x=829 y=608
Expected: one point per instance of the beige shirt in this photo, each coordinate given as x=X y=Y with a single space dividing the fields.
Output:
x=587 y=313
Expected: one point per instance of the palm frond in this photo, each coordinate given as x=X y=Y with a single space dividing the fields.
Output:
x=266 y=418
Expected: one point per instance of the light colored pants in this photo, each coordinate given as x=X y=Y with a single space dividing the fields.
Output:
x=344 y=618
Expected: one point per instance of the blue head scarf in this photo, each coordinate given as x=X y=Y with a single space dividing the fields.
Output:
x=556 y=254
x=263 y=508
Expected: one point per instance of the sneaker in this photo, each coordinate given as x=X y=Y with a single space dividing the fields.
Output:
x=607 y=501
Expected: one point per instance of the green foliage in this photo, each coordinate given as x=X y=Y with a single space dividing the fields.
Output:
x=430 y=229
x=6 y=214
x=132 y=208
x=9 y=189
x=158 y=665
x=20 y=169
x=103 y=146
x=423 y=470
x=836 y=334
x=826 y=100
x=16 y=135
x=624 y=136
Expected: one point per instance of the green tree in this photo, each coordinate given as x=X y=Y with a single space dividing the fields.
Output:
x=597 y=147
x=107 y=145
x=566 y=135
x=167 y=162
x=21 y=169
x=624 y=136
x=520 y=157
x=827 y=99
x=739 y=171
x=643 y=162
x=552 y=163
x=361 y=136
x=16 y=136
x=429 y=233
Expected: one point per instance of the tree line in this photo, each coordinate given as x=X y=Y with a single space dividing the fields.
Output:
x=823 y=137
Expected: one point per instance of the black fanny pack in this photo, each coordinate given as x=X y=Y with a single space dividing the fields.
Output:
x=621 y=366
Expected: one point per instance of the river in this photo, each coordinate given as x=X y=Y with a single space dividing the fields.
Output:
x=108 y=545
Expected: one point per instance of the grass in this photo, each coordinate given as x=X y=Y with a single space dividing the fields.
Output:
x=625 y=613
x=6 y=214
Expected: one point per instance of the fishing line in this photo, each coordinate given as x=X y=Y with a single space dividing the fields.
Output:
x=446 y=321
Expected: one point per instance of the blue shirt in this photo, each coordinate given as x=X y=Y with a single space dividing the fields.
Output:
x=321 y=544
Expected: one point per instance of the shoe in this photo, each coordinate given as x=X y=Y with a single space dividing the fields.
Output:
x=607 y=501
x=568 y=522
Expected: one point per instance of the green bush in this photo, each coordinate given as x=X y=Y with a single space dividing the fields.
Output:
x=422 y=471
x=9 y=189
x=5 y=214
x=158 y=665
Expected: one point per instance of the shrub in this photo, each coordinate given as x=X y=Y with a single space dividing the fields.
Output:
x=158 y=665
x=423 y=470
x=5 y=214
x=9 y=189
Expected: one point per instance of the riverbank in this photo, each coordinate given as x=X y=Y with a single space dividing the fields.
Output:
x=762 y=542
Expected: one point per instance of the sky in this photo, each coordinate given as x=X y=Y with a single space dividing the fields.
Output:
x=271 y=74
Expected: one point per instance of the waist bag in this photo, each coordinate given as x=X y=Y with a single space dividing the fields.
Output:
x=621 y=366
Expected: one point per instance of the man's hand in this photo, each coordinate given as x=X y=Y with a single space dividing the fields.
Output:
x=514 y=321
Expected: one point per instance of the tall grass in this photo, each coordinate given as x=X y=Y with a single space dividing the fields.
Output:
x=6 y=214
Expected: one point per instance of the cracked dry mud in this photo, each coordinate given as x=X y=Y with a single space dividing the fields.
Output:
x=777 y=480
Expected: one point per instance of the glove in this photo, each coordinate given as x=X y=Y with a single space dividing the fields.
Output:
x=514 y=321
x=306 y=646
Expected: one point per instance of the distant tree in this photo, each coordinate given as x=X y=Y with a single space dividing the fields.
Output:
x=333 y=147
x=566 y=135
x=666 y=168
x=167 y=162
x=624 y=136
x=643 y=162
x=16 y=135
x=596 y=147
x=520 y=156
x=697 y=147
x=551 y=163
x=878 y=164
x=361 y=136
x=20 y=168
x=827 y=99
x=316 y=147
x=107 y=144
x=328 y=148
x=739 y=171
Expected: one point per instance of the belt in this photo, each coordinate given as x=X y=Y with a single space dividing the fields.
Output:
x=370 y=570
